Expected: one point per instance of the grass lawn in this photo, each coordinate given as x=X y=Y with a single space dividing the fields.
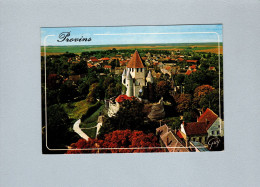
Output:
x=77 y=109
x=91 y=121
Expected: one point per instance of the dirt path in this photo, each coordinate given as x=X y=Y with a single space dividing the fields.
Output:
x=77 y=129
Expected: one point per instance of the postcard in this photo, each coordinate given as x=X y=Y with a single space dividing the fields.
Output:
x=132 y=89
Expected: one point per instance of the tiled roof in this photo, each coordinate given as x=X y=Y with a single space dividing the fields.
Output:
x=122 y=98
x=135 y=61
x=179 y=134
x=188 y=72
x=172 y=144
x=107 y=67
x=105 y=58
x=123 y=62
x=180 y=59
x=195 y=128
x=90 y=65
x=204 y=123
x=193 y=66
x=168 y=67
x=162 y=130
x=170 y=140
x=193 y=61
x=208 y=116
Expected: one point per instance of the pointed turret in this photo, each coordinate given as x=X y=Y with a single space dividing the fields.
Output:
x=124 y=77
x=149 y=77
x=124 y=73
x=128 y=75
x=129 y=84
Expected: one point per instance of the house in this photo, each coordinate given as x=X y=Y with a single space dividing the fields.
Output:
x=104 y=61
x=93 y=59
x=170 y=141
x=180 y=59
x=208 y=124
x=108 y=67
x=198 y=147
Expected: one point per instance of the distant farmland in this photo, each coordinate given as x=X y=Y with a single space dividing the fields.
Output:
x=197 y=47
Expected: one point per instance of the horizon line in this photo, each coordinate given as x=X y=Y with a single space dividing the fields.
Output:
x=134 y=44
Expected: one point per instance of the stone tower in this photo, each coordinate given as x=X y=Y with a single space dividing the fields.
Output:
x=129 y=84
x=133 y=78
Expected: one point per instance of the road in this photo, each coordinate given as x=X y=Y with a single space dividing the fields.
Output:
x=77 y=129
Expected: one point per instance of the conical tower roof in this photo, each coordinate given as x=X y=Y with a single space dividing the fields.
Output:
x=135 y=61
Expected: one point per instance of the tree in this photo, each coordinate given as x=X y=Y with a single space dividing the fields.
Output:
x=84 y=146
x=119 y=139
x=58 y=125
x=93 y=91
x=176 y=123
x=200 y=92
x=130 y=116
x=211 y=101
x=68 y=92
x=162 y=89
x=183 y=102
x=80 y=68
x=179 y=79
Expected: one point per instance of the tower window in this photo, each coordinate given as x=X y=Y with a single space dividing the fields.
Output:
x=137 y=69
x=141 y=69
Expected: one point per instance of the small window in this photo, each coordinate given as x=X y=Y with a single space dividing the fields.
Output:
x=212 y=132
x=137 y=69
x=217 y=132
x=141 y=69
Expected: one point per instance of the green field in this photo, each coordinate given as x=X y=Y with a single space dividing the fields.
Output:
x=82 y=48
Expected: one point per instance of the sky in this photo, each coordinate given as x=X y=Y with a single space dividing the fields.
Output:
x=133 y=34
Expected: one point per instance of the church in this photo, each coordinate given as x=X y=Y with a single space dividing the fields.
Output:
x=134 y=76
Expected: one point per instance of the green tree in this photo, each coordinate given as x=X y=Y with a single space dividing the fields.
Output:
x=183 y=102
x=58 y=128
x=200 y=92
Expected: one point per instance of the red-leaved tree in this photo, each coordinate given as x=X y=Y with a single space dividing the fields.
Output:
x=117 y=142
